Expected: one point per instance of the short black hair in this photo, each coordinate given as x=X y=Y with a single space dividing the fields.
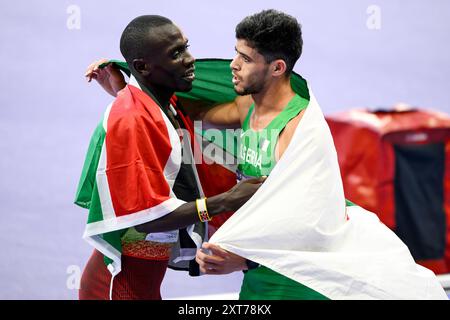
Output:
x=136 y=34
x=274 y=34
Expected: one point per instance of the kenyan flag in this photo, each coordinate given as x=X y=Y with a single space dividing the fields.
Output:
x=130 y=170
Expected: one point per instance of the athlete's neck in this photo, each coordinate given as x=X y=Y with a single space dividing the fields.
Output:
x=159 y=95
x=273 y=98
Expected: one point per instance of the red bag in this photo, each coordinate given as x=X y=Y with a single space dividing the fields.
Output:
x=396 y=163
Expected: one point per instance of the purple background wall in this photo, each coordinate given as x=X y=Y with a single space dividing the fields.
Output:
x=48 y=111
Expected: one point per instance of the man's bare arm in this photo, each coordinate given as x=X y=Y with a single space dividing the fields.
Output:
x=228 y=114
x=186 y=214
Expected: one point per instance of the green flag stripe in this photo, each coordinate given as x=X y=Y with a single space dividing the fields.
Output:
x=87 y=182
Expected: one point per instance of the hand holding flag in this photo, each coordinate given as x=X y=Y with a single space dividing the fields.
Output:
x=212 y=259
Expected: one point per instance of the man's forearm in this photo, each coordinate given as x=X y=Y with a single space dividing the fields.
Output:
x=184 y=216
x=187 y=214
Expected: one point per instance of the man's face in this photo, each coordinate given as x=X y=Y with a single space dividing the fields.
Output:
x=250 y=69
x=172 y=64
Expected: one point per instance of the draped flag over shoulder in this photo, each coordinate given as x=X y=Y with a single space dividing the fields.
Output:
x=341 y=252
x=130 y=169
x=109 y=182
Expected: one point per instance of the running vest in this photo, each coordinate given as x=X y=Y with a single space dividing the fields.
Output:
x=257 y=158
x=256 y=155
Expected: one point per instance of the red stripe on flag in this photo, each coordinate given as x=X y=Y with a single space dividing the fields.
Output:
x=214 y=178
x=137 y=148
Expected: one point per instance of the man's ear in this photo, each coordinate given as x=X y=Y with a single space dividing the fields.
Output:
x=279 y=67
x=141 y=67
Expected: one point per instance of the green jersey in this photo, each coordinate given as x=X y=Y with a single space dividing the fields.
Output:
x=257 y=158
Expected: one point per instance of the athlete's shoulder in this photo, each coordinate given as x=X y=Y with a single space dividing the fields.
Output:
x=129 y=116
x=287 y=133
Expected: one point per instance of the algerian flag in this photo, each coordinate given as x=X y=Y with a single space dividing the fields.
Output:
x=298 y=225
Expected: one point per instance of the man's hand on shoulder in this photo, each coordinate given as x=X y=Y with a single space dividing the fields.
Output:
x=239 y=194
x=110 y=78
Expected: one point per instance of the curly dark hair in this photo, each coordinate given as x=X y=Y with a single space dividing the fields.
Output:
x=274 y=34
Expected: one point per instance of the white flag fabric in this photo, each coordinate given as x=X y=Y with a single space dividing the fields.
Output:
x=297 y=225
